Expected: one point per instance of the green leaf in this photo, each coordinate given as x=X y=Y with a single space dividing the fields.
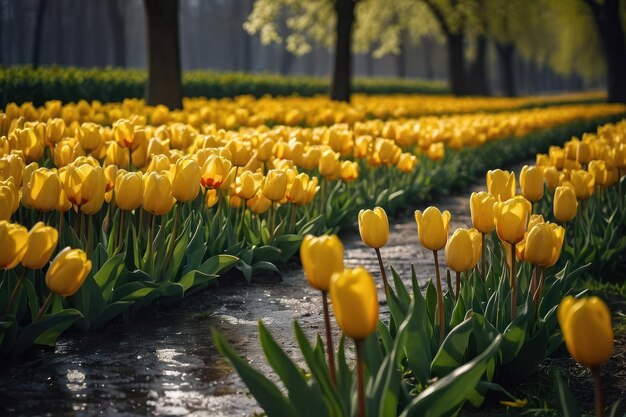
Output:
x=448 y=394
x=266 y=393
x=110 y=312
x=107 y=276
x=195 y=279
x=567 y=403
x=306 y=399
x=288 y=245
x=452 y=352
x=218 y=264
x=45 y=331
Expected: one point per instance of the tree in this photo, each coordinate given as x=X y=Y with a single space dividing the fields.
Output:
x=327 y=22
x=164 y=78
x=607 y=17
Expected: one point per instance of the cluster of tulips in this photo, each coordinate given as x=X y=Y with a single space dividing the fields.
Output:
x=526 y=243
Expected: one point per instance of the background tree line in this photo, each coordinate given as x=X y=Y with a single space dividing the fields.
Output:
x=480 y=46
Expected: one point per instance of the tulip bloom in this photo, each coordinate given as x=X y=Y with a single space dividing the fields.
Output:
x=432 y=227
x=157 y=193
x=321 y=258
x=459 y=251
x=583 y=183
x=501 y=184
x=274 y=185
x=481 y=208
x=374 y=230
x=186 y=180
x=587 y=330
x=128 y=190
x=355 y=301
x=565 y=204
x=215 y=171
x=531 y=183
x=42 y=240
x=407 y=162
x=14 y=238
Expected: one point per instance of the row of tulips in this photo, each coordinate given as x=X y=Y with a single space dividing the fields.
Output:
x=228 y=113
x=164 y=226
x=437 y=350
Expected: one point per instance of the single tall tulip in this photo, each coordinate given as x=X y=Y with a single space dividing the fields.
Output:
x=459 y=254
x=565 y=204
x=14 y=238
x=321 y=258
x=355 y=301
x=157 y=193
x=128 y=190
x=374 y=230
x=531 y=183
x=66 y=275
x=42 y=240
x=588 y=334
x=501 y=184
x=511 y=220
x=583 y=183
x=483 y=219
x=186 y=180
x=432 y=228
x=274 y=185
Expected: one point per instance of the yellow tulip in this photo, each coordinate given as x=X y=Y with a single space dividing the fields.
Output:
x=543 y=243
x=407 y=162
x=123 y=132
x=186 y=180
x=311 y=158
x=55 y=128
x=159 y=163
x=432 y=227
x=481 y=208
x=583 y=153
x=349 y=171
x=44 y=187
x=583 y=183
x=587 y=330
x=565 y=204
x=157 y=193
x=7 y=201
x=128 y=190
x=501 y=184
x=321 y=257
x=531 y=183
x=110 y=174
x=551 y=177
x=274 y=185
x=215 y=171
x=259 y=204
x=329 y=165
x=477 y=246
x=248 y=184
x=42 y=241
x=240 y=151
x=355 y=302
x=265 y=149
x=68 y=272
x=12 y=165
x=599 y=171
x=14 y=238
x=436 y=151
x=374 y=227
x=117 y=155
x=459 y=251
x=89 y=135
x=511 y=217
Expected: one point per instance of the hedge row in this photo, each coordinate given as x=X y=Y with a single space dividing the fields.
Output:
x=22 y=83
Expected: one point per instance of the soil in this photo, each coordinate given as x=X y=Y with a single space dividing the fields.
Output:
x=164 y=362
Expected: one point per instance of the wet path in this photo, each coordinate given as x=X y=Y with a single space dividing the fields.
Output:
x=164 y=363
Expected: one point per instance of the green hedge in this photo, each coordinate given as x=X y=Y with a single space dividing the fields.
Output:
x=22 y=83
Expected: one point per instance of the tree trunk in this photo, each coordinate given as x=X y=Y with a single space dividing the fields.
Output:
x=505 y=55
x=246 y=40
x=164 y=78
x=118 y=30
x=369 y=65
x=456 y=64
x=286 y=62
x=38 y=39
x=340 y=88
x=478 y=71
x=607 y=18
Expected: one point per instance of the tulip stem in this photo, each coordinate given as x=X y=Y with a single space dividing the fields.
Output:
x=599 y=399
x=60 y=227
x=89 y=235
x=170 y=244
x=120 y=241
x=539 y=289
x=330 y=350
x=442 y=319
x=358 y=343
x=16 y=289
x=483 y=263
x=292 y=223
x=44 y=307
x=513 y=284
x=458 y=284
x=382 y=270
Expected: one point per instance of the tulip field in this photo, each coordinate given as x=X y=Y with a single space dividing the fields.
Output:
x=111 y=208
